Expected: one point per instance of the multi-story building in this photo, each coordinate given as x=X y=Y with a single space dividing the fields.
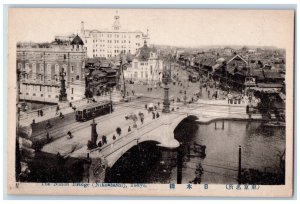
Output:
x=111 y=42
x=146 y=66
x=41 y=68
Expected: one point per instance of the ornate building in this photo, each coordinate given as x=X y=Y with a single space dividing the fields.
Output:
x=111 y=42
x=41 y=67
x=146 y=66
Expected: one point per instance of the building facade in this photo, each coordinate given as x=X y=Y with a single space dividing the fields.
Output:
x=146 y=66
x=41 y=68
x=111 y=42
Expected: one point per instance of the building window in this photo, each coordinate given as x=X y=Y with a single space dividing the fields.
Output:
x=33 y=68
x=20 y=66
x=72 y=90
x=65 y=56
x=41 y=68
x=77 y=77
x=49 y=96
x=49 y=71
x=72 y=68
x=27 y=67
x=72 y=79
x=56 y=69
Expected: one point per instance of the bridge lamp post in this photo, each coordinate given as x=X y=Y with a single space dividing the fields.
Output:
x=63 y=94
x=166 y=79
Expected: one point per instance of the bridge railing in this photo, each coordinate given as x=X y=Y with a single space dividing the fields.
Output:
x=126 y=136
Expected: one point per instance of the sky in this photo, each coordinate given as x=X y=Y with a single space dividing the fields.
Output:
x=186 y=27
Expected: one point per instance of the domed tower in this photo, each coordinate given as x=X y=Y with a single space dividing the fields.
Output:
x=77 y=43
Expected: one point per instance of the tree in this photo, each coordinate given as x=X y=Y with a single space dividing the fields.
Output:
x=119 y=130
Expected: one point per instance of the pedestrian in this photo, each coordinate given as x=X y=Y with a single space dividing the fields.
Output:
x=42 y=113
x=114 y=137
x=129 y=128
x=146 y=106
x=99 y=144
x=38 y=113
x=153 y=115
x=104 y=140
x=70 y=105
x=142 y=119
x=48 y=124
x=208 y=93
x=70 y=134
x=155 y=108
x=157 y=114
x=47 y=136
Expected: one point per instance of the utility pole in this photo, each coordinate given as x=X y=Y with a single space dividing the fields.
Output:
x=179 y=164
x=240 y=165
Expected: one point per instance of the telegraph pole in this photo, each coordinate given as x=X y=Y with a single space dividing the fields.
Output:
x=240 y=165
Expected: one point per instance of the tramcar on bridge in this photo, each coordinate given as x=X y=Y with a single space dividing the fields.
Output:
x=88 y=112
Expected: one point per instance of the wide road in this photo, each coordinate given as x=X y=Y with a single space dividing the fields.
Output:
x=106 y=125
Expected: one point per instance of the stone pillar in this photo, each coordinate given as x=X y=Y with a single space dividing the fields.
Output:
x=63 y=91
x=166 y=103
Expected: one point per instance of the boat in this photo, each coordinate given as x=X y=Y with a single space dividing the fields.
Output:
x=274 y=124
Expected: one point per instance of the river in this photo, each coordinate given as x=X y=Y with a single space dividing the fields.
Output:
x=261 y=147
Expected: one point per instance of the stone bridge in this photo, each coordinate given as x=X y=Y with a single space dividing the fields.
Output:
x=160 y=130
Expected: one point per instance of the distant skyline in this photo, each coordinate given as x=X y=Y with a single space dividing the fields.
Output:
x=174 y=27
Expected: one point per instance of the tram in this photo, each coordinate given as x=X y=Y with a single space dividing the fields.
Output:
x=93 y=110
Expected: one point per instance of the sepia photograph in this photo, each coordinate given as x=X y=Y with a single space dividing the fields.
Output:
x=122 y=101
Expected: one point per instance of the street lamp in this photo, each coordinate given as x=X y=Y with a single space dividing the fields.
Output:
x=122 y=69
